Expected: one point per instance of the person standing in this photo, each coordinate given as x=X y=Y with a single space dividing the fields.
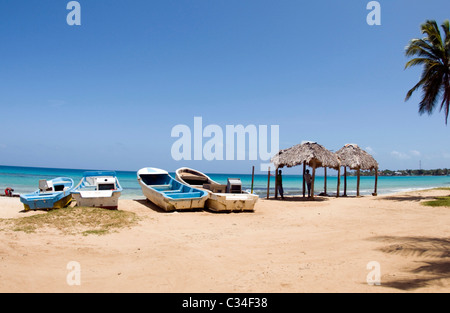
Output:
x=308 y=180
x=280 y=184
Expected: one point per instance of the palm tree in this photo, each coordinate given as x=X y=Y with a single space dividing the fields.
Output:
x=434 y=54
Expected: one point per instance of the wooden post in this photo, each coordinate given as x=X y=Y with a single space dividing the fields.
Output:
x=268 y=183
x=304 y=183
x=253 y=177
x=345 y=181
x=276 y=183
x=325 y=181
x=357 y=182
x=376 y=182
x=313 y=179
x=338 y=181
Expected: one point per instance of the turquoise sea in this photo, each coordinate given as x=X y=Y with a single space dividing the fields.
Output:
x=25 y=180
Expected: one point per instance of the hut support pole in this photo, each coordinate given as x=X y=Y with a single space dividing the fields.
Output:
x=376 y=182
x=313 y=180
x=357 y=182
x=276 y=183
x=345 y=181
x=253 y=177
x=325 y=181
x=304 y=183
x=268 y=183
x=338 y=181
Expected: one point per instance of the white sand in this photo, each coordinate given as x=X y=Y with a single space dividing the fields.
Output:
x=284 y=246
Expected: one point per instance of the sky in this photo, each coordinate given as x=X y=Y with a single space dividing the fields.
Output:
x=107 y=94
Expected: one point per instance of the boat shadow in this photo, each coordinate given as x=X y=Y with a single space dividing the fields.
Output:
x=432 y=254
x=157 y=209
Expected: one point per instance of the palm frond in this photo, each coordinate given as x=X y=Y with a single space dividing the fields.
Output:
x=433 y=53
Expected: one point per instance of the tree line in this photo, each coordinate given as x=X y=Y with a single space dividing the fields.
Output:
x=408 y=172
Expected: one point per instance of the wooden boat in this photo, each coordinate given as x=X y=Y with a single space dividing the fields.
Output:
x=98 y=189
x=227 y=198
x=167 y=193
x=52 y=194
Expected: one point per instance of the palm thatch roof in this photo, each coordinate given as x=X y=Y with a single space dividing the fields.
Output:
x=356 y=158
x=310 y=152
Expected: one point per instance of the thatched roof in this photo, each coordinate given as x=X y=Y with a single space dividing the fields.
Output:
x=354 y=157
x=309 y=152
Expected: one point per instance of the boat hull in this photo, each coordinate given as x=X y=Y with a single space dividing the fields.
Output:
x=48 y=204
x=98 y=201
x=225 y=202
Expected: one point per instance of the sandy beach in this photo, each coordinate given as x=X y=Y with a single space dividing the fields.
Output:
x=289 y=246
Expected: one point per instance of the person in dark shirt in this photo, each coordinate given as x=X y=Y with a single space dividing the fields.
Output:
x=280 y=184
x=308 y=180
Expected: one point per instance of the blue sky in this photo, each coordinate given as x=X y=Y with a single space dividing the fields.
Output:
x=106 y=94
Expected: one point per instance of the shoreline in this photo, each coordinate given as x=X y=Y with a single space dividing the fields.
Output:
x=283 y=247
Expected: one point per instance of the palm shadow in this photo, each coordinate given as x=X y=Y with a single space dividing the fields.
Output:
x=416 y=198
x=430 y=272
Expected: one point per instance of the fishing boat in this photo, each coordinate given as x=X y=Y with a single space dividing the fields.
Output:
x=52 y=194
x=98 y=189
x=167 y=193
x=226 y=198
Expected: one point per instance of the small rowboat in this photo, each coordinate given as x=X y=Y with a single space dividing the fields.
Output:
x=167 y=193
x=227 y=198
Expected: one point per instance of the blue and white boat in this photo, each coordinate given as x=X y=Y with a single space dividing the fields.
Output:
x=52 y=194
x=98 y=189
x=167 y=193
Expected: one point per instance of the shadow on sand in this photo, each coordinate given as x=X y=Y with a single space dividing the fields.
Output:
x=297 y=199
x=407 y=198
x=436 y=267
x=157 y=209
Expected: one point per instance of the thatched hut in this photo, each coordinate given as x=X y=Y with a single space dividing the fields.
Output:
x=307 y=153
x=357 y=159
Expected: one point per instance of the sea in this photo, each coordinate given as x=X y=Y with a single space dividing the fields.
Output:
x=25 y=180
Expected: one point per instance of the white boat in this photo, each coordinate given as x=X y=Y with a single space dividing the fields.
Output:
x=223 y=198
x=167 y=193
x=98 y=189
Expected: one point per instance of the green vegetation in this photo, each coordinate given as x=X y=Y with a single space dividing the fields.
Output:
x=439 y=201
x=73 y=221
x=433 y=53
